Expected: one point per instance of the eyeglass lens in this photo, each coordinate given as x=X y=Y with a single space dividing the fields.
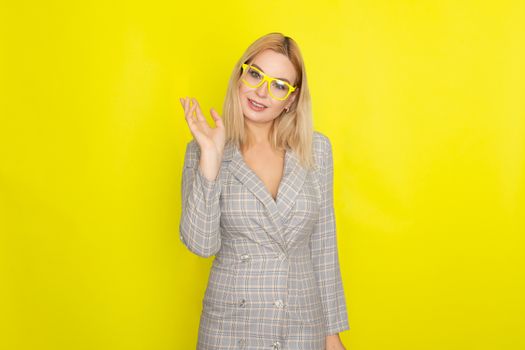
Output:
x=254 y=78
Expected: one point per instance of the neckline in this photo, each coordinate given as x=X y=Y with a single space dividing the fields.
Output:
x=283 y=176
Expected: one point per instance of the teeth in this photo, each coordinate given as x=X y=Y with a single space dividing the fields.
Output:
x=256 y=104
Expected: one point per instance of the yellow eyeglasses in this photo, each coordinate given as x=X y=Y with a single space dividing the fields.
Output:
x=278 y=89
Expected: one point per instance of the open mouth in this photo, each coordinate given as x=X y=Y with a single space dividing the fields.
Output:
x=258 y=106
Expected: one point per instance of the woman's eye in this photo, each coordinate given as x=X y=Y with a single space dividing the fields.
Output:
x=280 y=86
x=255 y=74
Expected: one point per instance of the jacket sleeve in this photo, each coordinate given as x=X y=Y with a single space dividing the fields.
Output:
x=200 y=217
x=324 y=252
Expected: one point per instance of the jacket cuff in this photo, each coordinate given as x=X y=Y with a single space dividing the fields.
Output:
x=338 y=327
x=211 y=188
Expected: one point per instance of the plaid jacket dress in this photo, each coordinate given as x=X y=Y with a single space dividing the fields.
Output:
x=275 y=281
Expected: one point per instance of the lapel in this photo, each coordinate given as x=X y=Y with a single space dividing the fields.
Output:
x=291 y=183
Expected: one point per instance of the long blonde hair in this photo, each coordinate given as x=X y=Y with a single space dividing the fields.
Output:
x=292 y=128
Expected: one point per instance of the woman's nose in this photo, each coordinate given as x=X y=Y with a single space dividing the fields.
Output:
x=262 y=90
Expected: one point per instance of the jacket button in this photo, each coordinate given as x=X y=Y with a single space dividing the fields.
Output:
x=242 y=342
x=245 y=257
x=276 y=345
x=279 y=303
x=242 y=303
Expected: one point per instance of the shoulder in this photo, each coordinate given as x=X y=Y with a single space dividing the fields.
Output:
x=322 y=146
x=322 y=149
x=322 y=152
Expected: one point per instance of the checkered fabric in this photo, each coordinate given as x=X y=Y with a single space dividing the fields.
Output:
x=275 y=281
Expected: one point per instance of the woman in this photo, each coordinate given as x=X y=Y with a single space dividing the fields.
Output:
x=257 y=192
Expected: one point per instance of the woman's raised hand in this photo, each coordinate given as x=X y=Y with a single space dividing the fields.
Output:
x=211 y=140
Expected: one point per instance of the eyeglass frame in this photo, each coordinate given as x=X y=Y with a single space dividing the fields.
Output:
x=267 y=78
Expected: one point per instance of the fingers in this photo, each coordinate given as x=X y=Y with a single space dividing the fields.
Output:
x=194 y=129
x=198 y=124
x=216 y=118
x=198 y=112
x=189 y=108
x=183 y=102
x=186 y=106
x=199 y=128
x=186 y=103
x=190 y=112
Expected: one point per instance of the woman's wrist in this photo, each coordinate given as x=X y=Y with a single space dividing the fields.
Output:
x=333 y=342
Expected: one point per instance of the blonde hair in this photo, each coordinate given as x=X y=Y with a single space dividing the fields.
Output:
x=292 y=128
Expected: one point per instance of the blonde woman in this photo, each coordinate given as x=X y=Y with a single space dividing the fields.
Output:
x=257 y=193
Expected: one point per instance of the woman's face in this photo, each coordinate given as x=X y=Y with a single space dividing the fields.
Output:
x=275 y=65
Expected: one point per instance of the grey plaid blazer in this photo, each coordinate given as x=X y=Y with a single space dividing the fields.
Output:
x=275 y=281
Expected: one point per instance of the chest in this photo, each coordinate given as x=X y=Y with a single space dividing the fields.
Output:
x=269 y=167
x=248 y=210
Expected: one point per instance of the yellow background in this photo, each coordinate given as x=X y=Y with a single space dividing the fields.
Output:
x=424 y=102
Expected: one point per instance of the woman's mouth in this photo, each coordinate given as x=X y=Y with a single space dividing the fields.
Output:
x=256 y=106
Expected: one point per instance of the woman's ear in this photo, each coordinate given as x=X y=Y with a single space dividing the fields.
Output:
x=292 y=98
